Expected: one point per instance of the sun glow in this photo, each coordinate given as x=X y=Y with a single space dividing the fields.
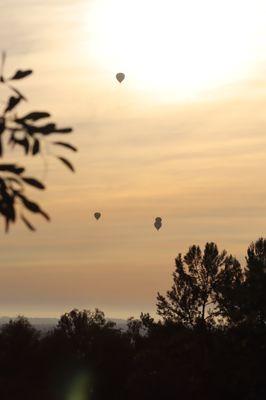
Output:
x=175 y=48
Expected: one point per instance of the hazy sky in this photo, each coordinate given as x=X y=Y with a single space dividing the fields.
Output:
x=184 y=138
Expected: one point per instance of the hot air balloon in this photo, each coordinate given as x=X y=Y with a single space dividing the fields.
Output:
x=158 y=223
x=120 y=77
x=97 y=215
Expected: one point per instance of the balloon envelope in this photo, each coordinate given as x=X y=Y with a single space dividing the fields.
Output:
x=120 y=77
x=158 y=223
x=97 y=215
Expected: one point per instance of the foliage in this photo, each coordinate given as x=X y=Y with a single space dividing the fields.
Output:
x=29 y=133
x=87 y=357
x=253 y=304
x=199 y=287
x=81 y=322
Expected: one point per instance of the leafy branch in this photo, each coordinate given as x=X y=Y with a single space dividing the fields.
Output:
x=29 y=132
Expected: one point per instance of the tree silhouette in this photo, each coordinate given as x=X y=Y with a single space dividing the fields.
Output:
x=253 y=303
x=92 y=344
x=83 y=322
x=19 y=343
x=198 y=288
x=87 y=357
x=29 y=133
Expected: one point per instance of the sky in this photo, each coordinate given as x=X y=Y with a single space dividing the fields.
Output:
x=183 y=138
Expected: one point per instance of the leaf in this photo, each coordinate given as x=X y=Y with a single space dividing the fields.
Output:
x=24 y=143
x=34 y=182
x=27 y=223
x=50 y=128
x=33 y=207
x=67 y=145
x=2 y=125
x=7 y=207
x=12 y=168
x=67 y=163
x=35 y=116
x=45 y=215
x=46 y=129
x=36 y=147
x=12 y=102
x=64 y=130
x=2 y=129
x=21 y=74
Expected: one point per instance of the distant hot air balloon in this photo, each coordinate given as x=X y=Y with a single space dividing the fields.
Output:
x=158 y=223
x=97 y=215
x=120 y=77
